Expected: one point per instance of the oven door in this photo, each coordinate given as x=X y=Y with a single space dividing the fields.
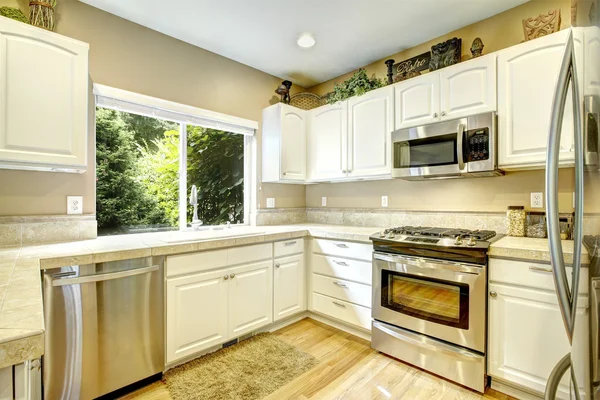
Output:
x=436 y=150
x=445 y=300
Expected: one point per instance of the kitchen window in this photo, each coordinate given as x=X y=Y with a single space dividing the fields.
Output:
x=149 y=154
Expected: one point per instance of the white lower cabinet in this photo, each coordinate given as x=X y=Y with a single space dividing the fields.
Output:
x=196 y=313
x=288 y=286
x=22 y=381
x=250 y=297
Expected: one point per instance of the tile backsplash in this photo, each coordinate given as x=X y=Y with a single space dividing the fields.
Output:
x=28 y=230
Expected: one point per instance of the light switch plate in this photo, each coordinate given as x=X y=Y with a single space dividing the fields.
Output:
x=384 y=201
x=74 y=204
x=323 y=201
x=537 y=200
x=270 y=202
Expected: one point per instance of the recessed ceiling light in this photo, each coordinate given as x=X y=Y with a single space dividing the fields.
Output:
x=306 y=40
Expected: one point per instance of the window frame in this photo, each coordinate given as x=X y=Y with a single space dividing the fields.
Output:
x=152 y=107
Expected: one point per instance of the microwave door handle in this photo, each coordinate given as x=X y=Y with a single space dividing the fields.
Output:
x=460 y=133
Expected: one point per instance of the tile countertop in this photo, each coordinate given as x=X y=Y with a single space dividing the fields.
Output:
x=21 y=308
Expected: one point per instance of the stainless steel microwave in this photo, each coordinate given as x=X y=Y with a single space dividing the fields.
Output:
x=450 y=149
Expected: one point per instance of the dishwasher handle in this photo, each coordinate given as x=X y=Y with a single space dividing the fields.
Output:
x=104 y=277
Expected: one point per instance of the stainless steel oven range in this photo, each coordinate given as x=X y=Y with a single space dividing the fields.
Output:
x=429 y=300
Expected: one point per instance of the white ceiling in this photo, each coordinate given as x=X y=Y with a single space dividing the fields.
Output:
x=263 y=33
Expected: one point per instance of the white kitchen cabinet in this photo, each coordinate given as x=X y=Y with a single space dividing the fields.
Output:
x=527 y=336
x=250 y=297
x=44 y=97
x=527 y=76
x=197 y=313
x=468 y=88
x=370 y=126
x=328 y=142
x=284 y=144
x=289 y=296
x=591 y=80
x=28 y=380
x=417 y=101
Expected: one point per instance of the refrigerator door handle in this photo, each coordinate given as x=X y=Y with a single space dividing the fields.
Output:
x=567 y=299
x=555 y=376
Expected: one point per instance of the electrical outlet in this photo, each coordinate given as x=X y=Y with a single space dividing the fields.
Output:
x=270 y=202
x=74 y=204
x=537 y=200
x=384 y=201
x=323 y=201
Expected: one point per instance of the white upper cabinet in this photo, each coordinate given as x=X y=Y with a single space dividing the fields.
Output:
x=328 y=142
x=284 y=144
x=468 y=88
x=44 y=98
x=591 y=80
x=370 y=127
x=417 y=101
x=527 y=76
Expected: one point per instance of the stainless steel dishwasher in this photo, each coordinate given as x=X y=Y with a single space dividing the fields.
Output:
x=104 y=327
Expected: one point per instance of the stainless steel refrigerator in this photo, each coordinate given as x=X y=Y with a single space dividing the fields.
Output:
x=577 y=283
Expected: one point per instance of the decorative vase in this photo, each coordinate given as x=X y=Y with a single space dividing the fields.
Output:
x=41 y=13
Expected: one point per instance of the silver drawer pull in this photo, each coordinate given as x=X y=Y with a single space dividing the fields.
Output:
x=341 y=245
x=340 y=285
x=339 y=304
x=342 y=263
x=540 y=269
x=291 y=243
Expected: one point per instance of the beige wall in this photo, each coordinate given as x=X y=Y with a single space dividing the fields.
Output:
x=497 y=32
x=128 y=56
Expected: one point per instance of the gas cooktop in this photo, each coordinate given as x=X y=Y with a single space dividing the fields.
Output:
x=447 y=237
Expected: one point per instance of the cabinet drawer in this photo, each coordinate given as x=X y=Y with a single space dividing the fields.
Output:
x=339 y=248
x=338 y=267
x=247 y=254
x=289 y=247
x=342 y=310
x=530 y=274
x=197 y=262
x=352 y=292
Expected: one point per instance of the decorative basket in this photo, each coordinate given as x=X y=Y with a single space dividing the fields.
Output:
x=306 y=101
x=41 y=13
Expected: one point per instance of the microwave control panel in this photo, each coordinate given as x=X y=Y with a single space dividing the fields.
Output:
x=478 y=144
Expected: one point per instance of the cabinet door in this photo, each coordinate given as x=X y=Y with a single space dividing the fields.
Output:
x=328 y=142
x=468 y=88
x=288 y=286
x=591 y=79
x=370 y=128
x=44 y=97
x=293 y=144
x=527 y=76
x=417 y=101
x=250 y=297
x=527 y=336
x=196 y=313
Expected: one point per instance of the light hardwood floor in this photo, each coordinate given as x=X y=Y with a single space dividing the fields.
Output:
x=348 y=369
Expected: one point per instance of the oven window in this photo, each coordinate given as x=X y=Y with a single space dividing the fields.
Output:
x=426 y=152
x=429 y=299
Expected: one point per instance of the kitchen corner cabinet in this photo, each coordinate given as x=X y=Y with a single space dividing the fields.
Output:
x=44 y=97
x=288 y=286
x=283 y=144
x=370 y=126
x=328 y=142
x=453 y=92
x=527 y=76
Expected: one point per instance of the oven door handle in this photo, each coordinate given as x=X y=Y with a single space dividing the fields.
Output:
x=426 y=343
x=420 y=263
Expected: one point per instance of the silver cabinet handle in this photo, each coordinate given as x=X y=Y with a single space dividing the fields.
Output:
x=290 y=243
x=341 y=245
x=435 y=115
x=339 y=304
x=443 y=114
x=342 y=263
x=540 y=269
x=340 y=285
x=226 y=277
x=284 y=173
x=277 y=265
x=344 y=171
x=232 y=276
x=493 y=294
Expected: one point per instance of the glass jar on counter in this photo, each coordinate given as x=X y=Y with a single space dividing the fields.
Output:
x=515 y=221
x=536 y=224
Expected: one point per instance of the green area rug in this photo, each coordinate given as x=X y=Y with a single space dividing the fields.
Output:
x=249 y=370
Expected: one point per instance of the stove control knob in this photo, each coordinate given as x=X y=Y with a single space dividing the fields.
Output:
x=471 y=241
x=458 y=240
x=391 y=235
x=382 y=234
